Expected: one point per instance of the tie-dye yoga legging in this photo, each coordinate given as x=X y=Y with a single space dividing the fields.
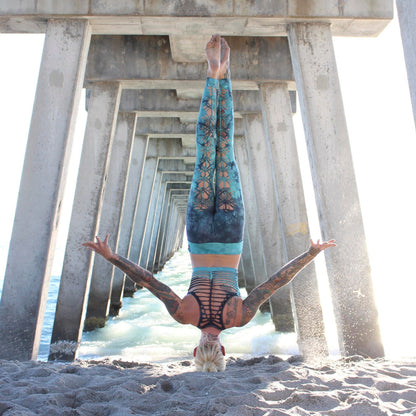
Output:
x=215 y=212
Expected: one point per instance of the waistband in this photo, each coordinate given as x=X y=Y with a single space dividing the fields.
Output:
x=215 y=248
x=225 y=275
x=214 y=269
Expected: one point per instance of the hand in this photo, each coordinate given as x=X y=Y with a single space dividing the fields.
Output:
x=323 y=246
x=100 y=247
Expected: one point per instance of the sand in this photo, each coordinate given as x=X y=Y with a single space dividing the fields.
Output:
x=258 y=386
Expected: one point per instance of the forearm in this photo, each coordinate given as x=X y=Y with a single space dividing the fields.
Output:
x=265 y=290
x=291 y=269
x=133 y=271
x=145 y=278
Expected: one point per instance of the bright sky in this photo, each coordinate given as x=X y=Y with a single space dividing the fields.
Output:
x=383 y=140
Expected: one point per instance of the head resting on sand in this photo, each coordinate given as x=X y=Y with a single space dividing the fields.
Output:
x=209 y=354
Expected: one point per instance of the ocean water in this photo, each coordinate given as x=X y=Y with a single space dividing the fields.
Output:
x=145 y=332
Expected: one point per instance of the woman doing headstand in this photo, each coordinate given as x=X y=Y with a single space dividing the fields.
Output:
x=215 y=222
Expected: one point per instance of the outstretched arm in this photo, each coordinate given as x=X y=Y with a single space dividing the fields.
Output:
x=140 y=276
x=263 y=292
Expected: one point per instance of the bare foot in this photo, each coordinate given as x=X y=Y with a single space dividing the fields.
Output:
x=224 y=71
x=213 y=52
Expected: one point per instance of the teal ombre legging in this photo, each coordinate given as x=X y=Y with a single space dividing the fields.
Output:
x=215 y=212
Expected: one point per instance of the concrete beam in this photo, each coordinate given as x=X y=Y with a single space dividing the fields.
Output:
x=170 y=149
x=41 y=189
x=198 y=17
x=149 y=103
x=335 y=189
x=165 y=128
x=139 y=60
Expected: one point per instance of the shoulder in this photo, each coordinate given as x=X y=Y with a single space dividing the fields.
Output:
x=188 y=311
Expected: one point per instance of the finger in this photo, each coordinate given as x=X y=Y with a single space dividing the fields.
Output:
x=106 y=239
x=98 y=239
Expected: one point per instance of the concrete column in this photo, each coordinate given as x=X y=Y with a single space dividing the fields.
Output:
x=129 y=209
x=406 y=10
x=86 y=211
x=160 y=240
x=247 y=263
x=269 y=215
x=156 y=228
x=151 y=212
x=156 y=224
x=42 y=185
x=162 y=243
x=102 y=272
x=173 y=215
x=147 y=184
x=251 y=211
x=277 y=116
x=160 y=228
x=175 y=231
x=335 y=188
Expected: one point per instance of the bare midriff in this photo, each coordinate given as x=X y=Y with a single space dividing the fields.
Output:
x=215 y=260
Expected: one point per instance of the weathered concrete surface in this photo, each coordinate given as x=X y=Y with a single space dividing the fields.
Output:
x=129 y=211
x=41 y=190
x=277 y=116
x=148 y=58
x=269 y=215
x=167 y=181
x=248 y=272
x=102 y=272
x=146 y=189
x=168 y=103
x=160 y=260
x=148 y=223
x=76 y=272
x=406 y=9
x=199 y=17
x=252 y=223
x=173 y=210
x=170 y=149
x=171 y=128
x=335 y=189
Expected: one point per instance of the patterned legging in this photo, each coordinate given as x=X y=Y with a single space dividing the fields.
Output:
x=215 y=211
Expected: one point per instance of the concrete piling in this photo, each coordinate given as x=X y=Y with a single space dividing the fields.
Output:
x=406 y=10
x=267 y=202
x=129 y=210
x=335 y=188
x=76 y=272
x=281 y=136
x=42 y=186
x=102 y=272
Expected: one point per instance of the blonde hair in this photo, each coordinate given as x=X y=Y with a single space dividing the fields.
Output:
x=209 y=358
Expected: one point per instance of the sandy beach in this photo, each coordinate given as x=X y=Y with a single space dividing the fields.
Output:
x=258 y=386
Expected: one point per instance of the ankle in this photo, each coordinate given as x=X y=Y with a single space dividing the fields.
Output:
x=213 y=74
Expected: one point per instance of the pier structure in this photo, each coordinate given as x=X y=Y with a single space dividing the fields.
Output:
x=406 y=10
x=143 y=66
